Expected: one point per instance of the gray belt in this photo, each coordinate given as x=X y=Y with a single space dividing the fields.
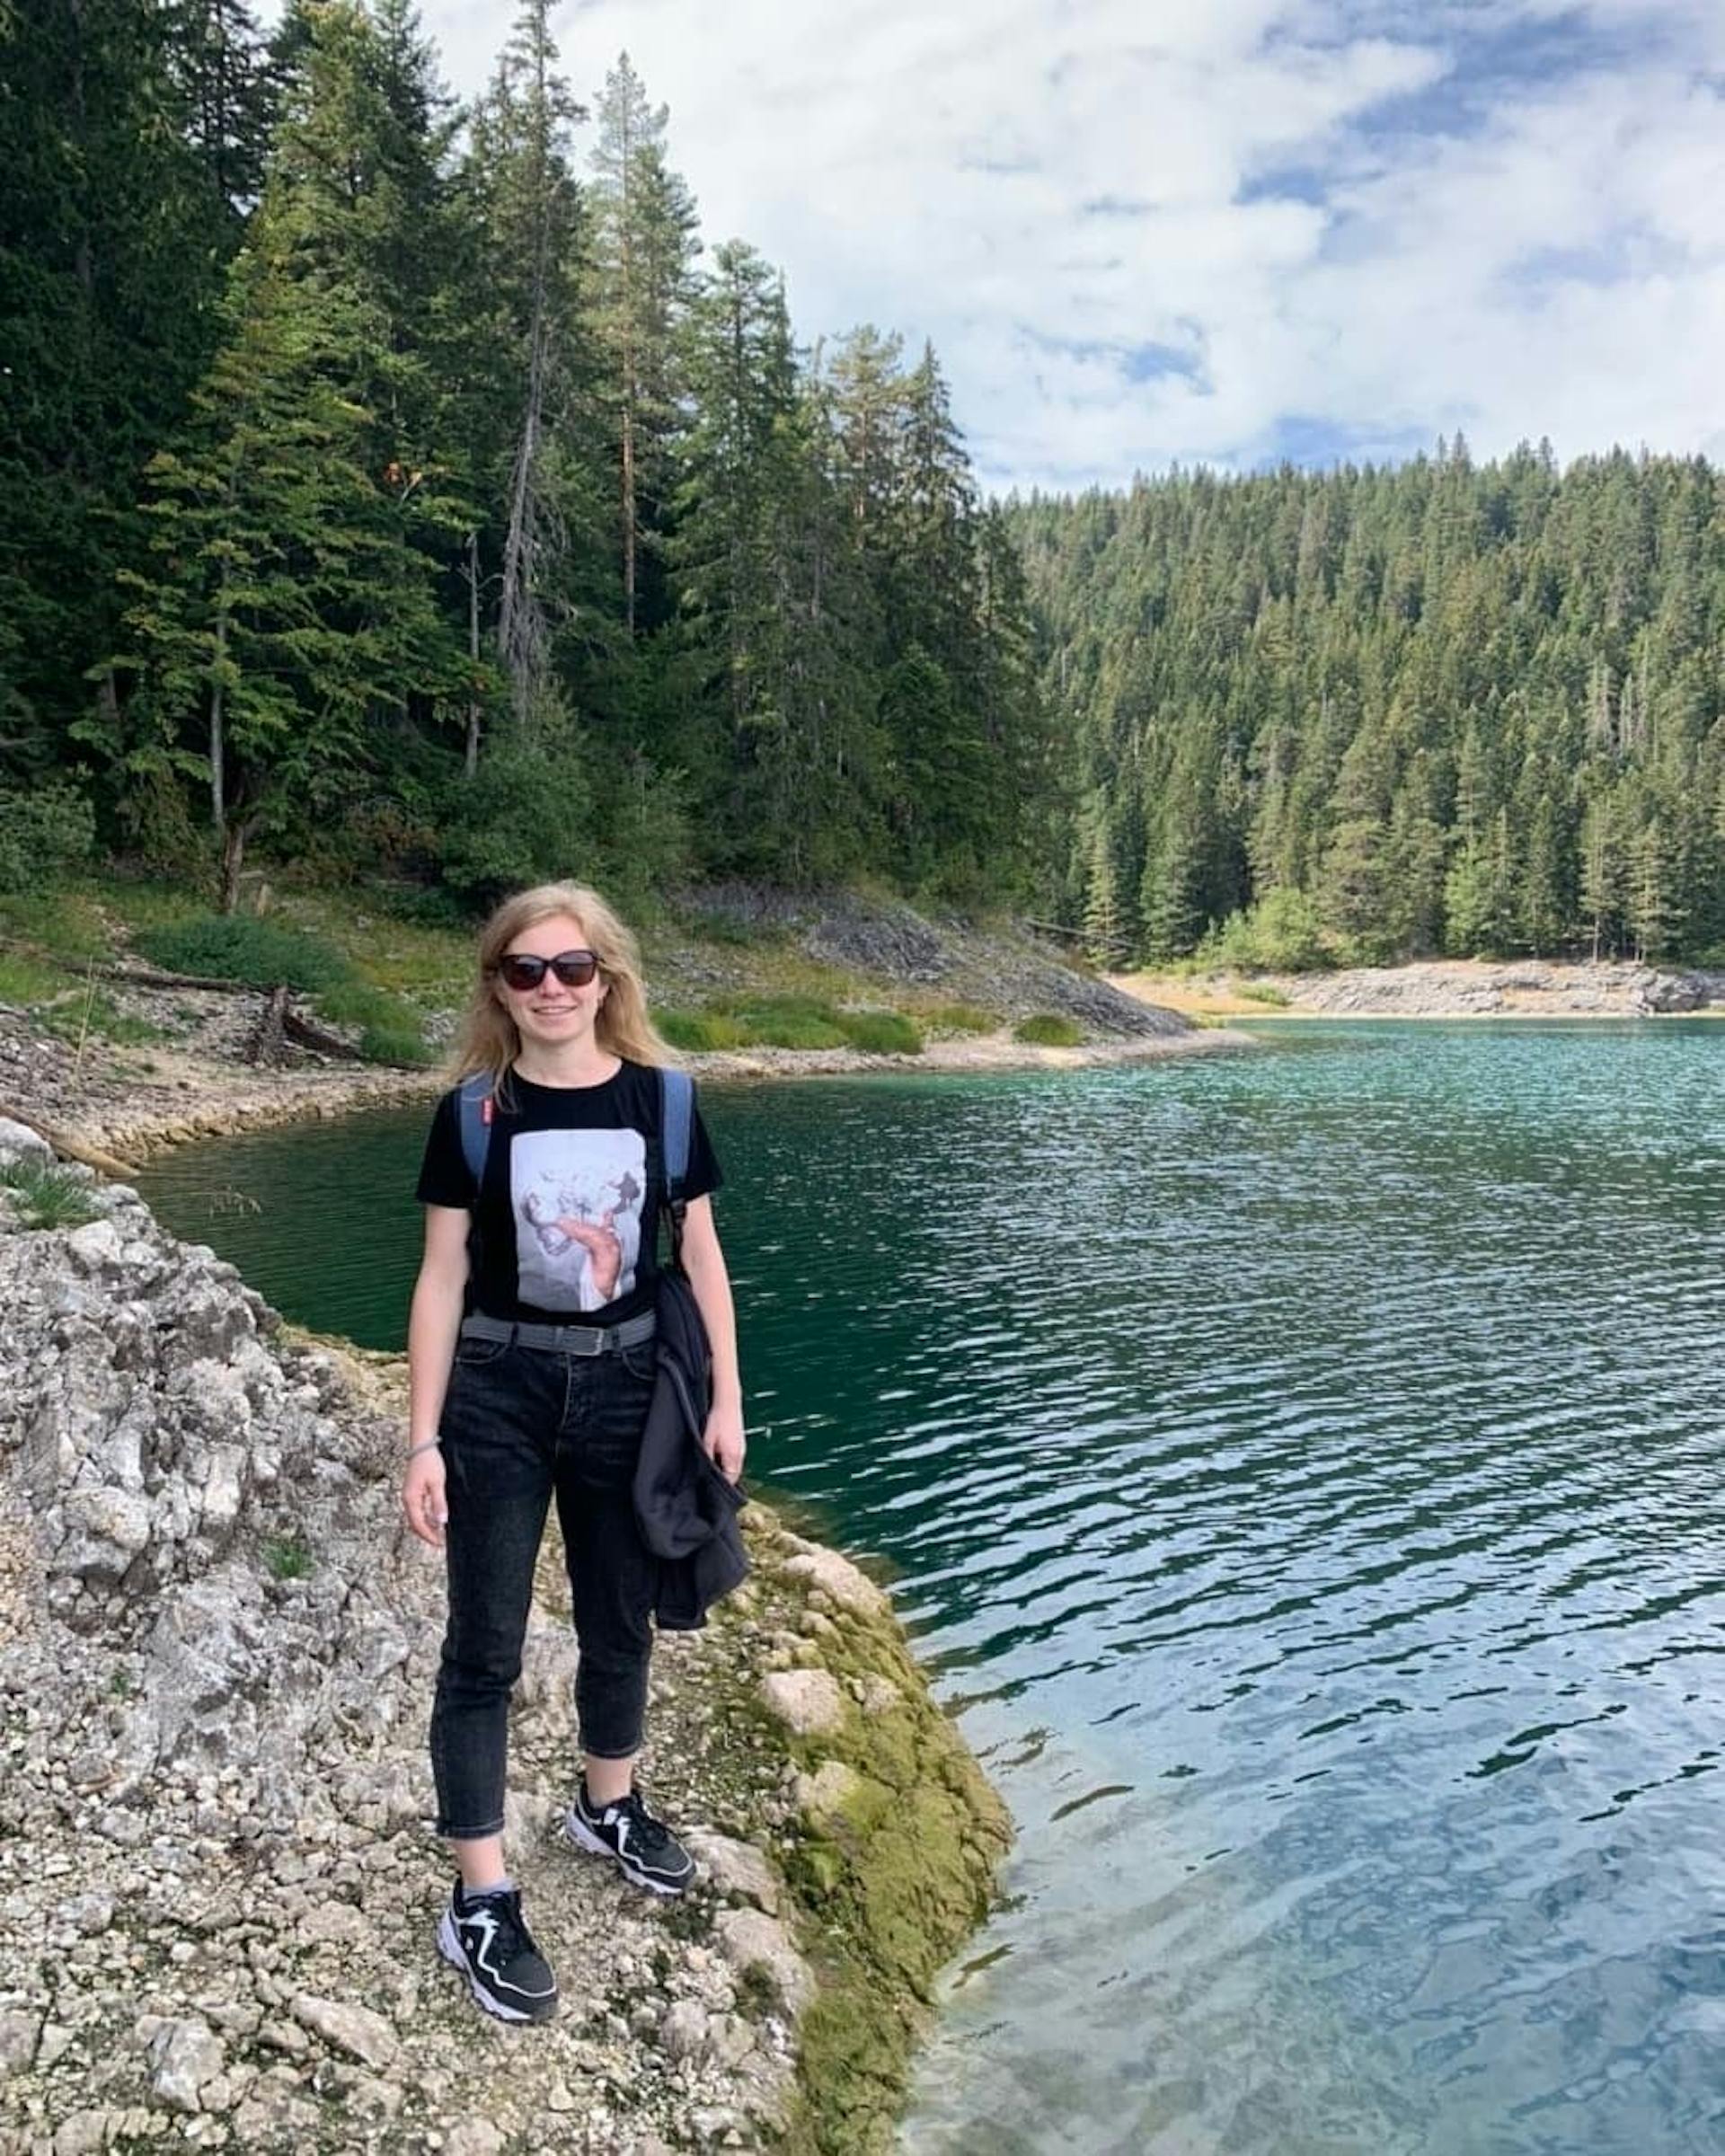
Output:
x=563 y=1340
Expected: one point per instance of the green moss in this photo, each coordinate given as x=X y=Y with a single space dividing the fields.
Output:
x=892 y=1879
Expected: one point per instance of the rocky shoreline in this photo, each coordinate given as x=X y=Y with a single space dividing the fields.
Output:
x=1445 y=988
x=216 y=1648
x=132 y=1112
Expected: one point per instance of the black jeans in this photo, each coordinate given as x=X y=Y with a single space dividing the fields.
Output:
x=518 y=1426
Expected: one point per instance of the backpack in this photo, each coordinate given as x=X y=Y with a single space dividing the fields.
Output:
x=474 y=1107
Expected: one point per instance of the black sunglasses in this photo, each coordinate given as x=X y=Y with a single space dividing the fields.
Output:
x=573 y=969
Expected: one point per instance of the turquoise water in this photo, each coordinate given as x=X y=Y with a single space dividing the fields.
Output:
x=1303 y=1473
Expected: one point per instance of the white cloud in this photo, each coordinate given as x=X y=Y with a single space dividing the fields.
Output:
x=1044 y=187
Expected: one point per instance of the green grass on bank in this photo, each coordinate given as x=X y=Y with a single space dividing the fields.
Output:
x=749 y=1020
x=46 y=1195
x=374 y=961
x=1047 y=1029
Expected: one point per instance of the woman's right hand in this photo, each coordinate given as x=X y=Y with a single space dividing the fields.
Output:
x=425 y=1497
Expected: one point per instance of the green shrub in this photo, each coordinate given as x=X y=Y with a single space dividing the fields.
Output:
x=520 y=819
x=1282 y=934
x=701 y=1030
x=43 y=834
x=960 y=1018
x=1048 y=1030
x=423 y=905
x=259 y=953
x=881 y=1032
x=1262 y=992
x=46 y=1194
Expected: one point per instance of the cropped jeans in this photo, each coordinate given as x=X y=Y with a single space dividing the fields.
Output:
x=520 y=1427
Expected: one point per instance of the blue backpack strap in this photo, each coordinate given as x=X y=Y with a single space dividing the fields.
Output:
x=474 y=1107
x=677 y=1097
x=676 y=1121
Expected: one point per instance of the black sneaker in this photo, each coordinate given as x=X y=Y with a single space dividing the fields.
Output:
x=644 y=1847
x=488 y=1943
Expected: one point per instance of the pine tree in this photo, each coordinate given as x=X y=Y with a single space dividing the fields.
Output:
x=644 y=246
x=287 y=607
x=112 y=246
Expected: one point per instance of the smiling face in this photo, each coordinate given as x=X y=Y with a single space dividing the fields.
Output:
x=551 y=1015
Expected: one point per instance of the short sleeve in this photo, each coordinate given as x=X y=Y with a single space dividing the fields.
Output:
x=444 y=1179
x=705 y=1175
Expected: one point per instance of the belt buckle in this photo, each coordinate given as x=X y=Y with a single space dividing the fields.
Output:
x=584 y=1339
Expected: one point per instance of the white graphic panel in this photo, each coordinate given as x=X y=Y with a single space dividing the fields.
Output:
x=578 y=1198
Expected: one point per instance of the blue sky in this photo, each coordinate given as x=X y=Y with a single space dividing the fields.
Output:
x=1226 y=231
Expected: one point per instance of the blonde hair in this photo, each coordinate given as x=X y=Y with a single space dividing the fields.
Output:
x=488 y=1038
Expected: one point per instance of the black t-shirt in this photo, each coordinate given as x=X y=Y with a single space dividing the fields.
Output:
x=566 y=1229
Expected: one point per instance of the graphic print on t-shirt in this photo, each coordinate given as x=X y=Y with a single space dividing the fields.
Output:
x=577 y=1196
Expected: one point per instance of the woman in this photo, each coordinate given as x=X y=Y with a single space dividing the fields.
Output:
x=530 y=1368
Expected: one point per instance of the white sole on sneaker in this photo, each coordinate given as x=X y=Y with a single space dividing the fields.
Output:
x=582 y=1835
x=449 y=1947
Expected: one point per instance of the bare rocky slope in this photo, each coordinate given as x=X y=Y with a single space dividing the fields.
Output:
x=217 y=1869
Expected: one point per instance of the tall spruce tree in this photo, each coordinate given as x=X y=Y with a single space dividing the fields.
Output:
x=643 y=251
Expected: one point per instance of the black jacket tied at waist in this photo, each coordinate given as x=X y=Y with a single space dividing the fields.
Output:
x=684 y=1507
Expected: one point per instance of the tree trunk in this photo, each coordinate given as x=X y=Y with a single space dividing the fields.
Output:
x=269 y=1041
x=234 y=840
x=471 y=762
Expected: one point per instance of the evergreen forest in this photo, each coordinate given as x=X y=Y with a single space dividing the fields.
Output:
x=1374 y=714
x=405 y=489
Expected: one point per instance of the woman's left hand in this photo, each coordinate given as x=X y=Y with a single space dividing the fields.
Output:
x=724 y=1441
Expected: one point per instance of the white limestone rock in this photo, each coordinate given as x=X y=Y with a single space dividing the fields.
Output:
x=184 y=2057
x=807 y=1702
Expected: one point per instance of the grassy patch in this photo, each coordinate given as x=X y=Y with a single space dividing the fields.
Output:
x=26 y=981
x=256 y=952
x=403 y=1044
x=786 y=1021
x=1046 y=1029
x=287 y=1557
x=262 y=952
x=790 y=1020
x=1260 y=992
x=881 y=1032
x=101 y=1015
x=46 y=1194
x=701 y=1030
x=63 y=923
x=960 y=1018
x=389 y=1027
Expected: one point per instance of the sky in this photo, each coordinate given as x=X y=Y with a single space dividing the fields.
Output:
x=1229 y=232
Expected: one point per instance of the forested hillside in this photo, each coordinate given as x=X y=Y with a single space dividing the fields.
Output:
x=391 y=485
x=1363 y=713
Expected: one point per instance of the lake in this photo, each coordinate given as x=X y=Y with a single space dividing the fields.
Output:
x=1302 y=1473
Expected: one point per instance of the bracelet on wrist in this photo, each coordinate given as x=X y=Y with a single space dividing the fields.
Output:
x=431 y=1445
